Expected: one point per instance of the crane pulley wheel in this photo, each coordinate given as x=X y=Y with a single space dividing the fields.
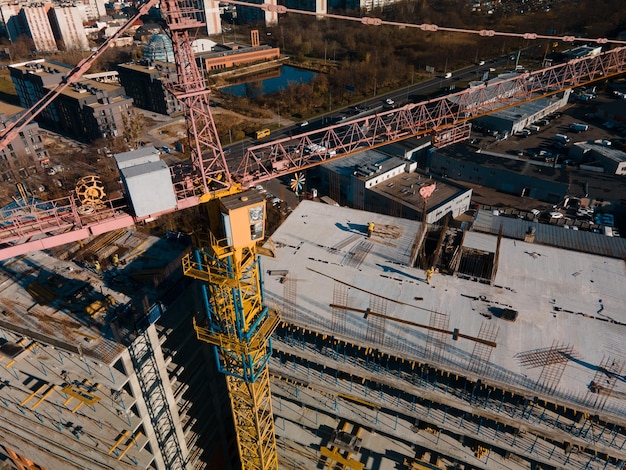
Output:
x=90 y=191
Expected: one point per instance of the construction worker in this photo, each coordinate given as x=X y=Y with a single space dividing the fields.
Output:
x=429 y=273
x=370 y=229
x=96 y=265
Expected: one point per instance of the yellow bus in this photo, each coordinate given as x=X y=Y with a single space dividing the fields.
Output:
x=262 y=133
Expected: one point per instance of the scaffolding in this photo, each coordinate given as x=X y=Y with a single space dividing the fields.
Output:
x=148 y=375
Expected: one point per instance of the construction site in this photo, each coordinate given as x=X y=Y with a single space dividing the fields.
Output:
x=506 y=355
x=346 y=340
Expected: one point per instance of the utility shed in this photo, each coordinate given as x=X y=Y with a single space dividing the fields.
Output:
x=137 y=157
x=149 y=187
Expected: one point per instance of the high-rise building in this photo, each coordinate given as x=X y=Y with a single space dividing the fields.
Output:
x=10 y=21
x=36 y=24
x=213 y=18
x=101 y=367
x=253 y=14
x=493 y=345
x=94 y=9
x=68 y=27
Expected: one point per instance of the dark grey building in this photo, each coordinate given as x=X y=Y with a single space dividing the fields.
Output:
x=32 y=80
x=24 y=153
x=91 y=110
x=509 y=175
x=146 y=82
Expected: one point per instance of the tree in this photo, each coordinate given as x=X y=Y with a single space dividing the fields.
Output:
x=134 y=125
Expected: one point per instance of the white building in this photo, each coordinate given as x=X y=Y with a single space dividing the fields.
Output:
x=591 y=154
x=68 y=27
x=10 y=20
x=37 y=26
x=94 y=9
x=377 y=181
x=213 y=19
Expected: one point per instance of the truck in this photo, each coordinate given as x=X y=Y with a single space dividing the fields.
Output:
x=578 y=127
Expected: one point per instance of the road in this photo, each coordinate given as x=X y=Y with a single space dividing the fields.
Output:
x=373 y=105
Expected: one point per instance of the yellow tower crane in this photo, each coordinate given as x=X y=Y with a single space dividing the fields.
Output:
x=238 y=324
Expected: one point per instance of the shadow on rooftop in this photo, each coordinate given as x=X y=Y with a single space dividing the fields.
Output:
x=391 y=269
x=353 y=228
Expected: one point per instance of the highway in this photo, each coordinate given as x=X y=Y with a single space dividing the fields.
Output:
x=413 y=93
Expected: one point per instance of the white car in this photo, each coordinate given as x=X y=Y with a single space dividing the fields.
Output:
x=390 y=102
x=556 y=215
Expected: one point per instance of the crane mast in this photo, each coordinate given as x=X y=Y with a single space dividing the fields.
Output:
x=212 y=174
x=238 y=324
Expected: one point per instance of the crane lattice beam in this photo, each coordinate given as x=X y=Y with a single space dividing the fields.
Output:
x=211 y=173
x=283 y=156
x=28 y=228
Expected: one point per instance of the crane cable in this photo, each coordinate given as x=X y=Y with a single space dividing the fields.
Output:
x=427 y=27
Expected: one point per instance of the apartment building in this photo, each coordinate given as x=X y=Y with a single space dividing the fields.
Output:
x=32 y=79
x=91 y=110
x=67 y=25
x=35 y=23
x=146 y=82
x=24 y=153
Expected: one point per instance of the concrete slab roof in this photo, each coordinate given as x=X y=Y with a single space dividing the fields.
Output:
x=563 y=299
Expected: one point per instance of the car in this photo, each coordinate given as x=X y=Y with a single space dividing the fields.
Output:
x=304 y=123
x=390 y=102
x=556 y=215
x=481 y=62
x=276 y=201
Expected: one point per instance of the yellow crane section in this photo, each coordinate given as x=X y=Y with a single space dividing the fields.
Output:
x=238 y=324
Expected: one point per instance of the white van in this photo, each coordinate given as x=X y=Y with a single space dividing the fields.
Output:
x=448 y=75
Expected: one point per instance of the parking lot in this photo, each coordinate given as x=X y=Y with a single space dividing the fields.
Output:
x=544 y=138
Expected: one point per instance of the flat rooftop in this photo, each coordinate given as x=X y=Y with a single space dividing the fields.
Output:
x=565 y=301
x=527 y=109
x=71 y=305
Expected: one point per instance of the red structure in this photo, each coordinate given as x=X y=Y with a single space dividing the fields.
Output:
x=58 y=222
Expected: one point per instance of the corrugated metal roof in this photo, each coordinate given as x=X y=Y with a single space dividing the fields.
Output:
x=552 y=235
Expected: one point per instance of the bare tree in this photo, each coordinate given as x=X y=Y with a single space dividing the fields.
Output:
x=134 y=125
